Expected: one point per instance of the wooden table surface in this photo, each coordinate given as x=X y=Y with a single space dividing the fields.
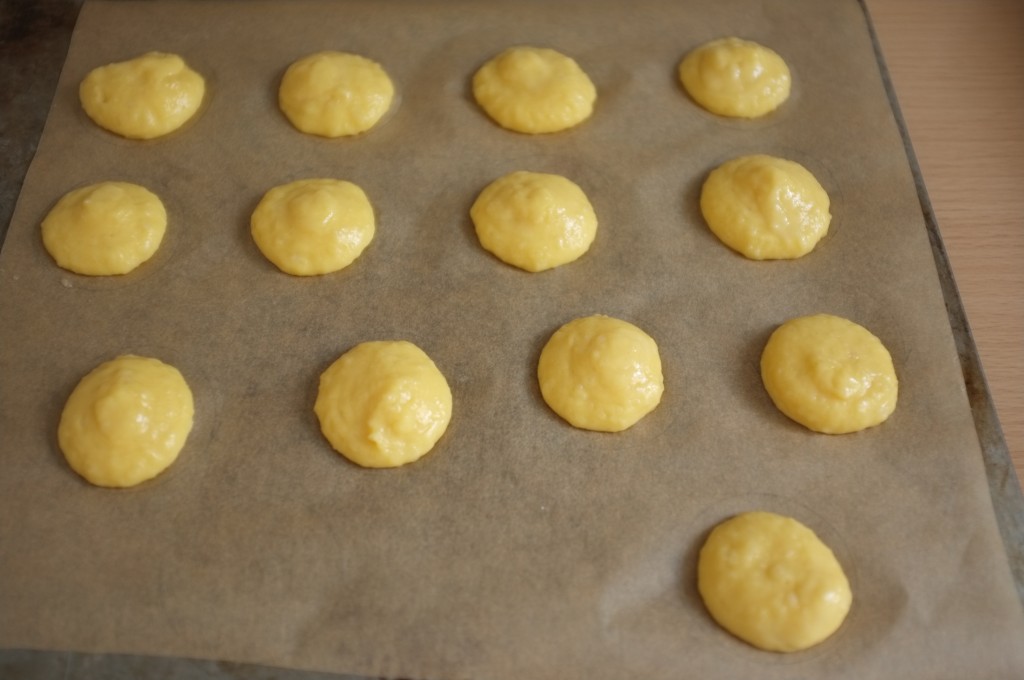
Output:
x=958 y=70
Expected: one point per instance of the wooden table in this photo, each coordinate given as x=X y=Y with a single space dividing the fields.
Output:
x=958 y=71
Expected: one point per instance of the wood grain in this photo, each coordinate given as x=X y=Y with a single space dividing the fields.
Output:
x=958 y=71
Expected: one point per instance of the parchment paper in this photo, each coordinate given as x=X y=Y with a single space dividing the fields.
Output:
x=520 y=547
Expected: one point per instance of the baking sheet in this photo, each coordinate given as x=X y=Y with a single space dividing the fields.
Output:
x=520 y=546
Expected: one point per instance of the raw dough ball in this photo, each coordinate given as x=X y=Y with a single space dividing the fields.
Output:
x=142 y=98
x=335 y=94
x=383 y=404
x=534 y=221
x=771 y=582
x=126 y=421
x=765 y=208
x=829 y=374
x=313 y=226
x=104 y=229
x=600 y=373
x=737 y=78
x=534 y=90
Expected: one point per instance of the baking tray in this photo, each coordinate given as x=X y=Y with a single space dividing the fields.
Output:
x=36 y=41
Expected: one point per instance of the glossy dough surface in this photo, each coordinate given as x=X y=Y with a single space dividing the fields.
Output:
x=104 y=229
x=735 y=78
x=770 y=581
x=335 y=94
x=313 y=226
x=534 y=90
x=126 y=421
x=142 y=98
x=829 y=374
x=383 y=404
x=765 y=208
x=600 y=373
x=534 y=221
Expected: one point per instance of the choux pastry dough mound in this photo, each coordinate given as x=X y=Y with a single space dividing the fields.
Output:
x=313 y=226
x=600 y=373
x=534 y=221
x=735 y=78
x=829 y=374
x=126 y=421
x=534 y=90
x=765 y=208
x=104 y=229
x=335 y=94
x=383 y=404
x=770 y=581
x=146 y=97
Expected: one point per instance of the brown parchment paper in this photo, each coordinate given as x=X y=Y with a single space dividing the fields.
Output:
x=520 y=547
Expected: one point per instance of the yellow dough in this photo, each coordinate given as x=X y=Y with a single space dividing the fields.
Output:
x=126 y=421
x=735 y=78
x=313 y=226
x=534 y=221
x=765 y=208
x=142 y=98
x=829 y=374
x=335 y=94
x=383 y=404
x=534 y=90
x=104 y=229
x=771 y=582
x=600 y=373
